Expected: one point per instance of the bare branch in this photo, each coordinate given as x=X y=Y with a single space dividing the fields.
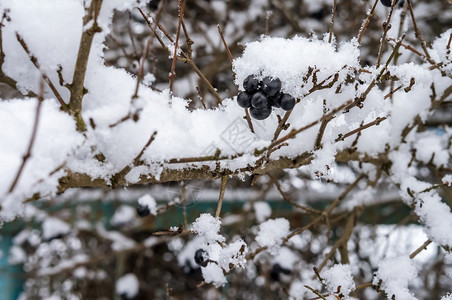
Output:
x=32 y=139
x=77 y=87
x=172 y=76
x=34 y=60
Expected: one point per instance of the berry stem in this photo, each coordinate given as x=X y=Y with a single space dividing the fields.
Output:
x=248 y=120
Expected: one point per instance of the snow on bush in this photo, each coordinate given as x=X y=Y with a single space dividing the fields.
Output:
x=208 y=227
x=394 y=275
x=102 y=126
x=53 y=227
x=262 y=210
x=339 y=280
x=212 y=273
x=123 y=215
x=272 y=233
x=127 y=286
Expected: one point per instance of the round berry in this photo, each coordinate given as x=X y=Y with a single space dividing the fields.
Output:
x=244 y=99
x=388 y=3
x=201 y=257
x=153 y=4
x=277 y=270
x=287 y=102
x=270 y=86
x=276 y=100
x=143 y=211
x=251 y=84
x=259 y=100
x=261 y=113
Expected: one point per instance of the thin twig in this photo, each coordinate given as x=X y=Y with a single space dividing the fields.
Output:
x=366 y=22
x=281 y=125
x=34 y=60
x=376 y=122
x=132 y=41
x=418 y=33
x=394 y=51
x=172 y=76
x=248 y=120
x=201 y=97
x=140 y=74
x=315 y=291
x=330 y=208
x=290 y=201
x=224 y=180
x=333 y=13
x=3 y=77
x=184 y=203
x=224 y=43
x=348 y=229
x=294 y=132
x=448 y=43
x=386 y=27
x=418 y=250
x=33 y=136
x=268 y=15
x=135 y=162
x=185 y=57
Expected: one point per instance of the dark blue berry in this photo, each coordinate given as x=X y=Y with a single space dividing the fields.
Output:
x=244 y=99
x=270 y=86
x=259 y=100
x=153 y=4
x=261 y=113
x=287 y=102
x=277 y=270
x=251 y=84
x=143 y=211
x=388 y=3
x=276 y=100
x=201 y=257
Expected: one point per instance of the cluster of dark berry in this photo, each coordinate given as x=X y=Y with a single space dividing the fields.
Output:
x=388 y=3
x=260 y=96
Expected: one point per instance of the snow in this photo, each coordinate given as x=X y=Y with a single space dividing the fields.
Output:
x=119 y=240
x=16 y=255
x=272 y=232
x=447 y=180
x=286 y=258
x=52 y=147
x=182 y=132
x=447 y=297
x=52 y=31
x=297 y=290
x=233 y=255
x=124 y=214
x=213 y=274
x=187 y=252
x=128 y=286
x=259 y=58
x=208 y=227
x=53 y=227
x=396 y=273
x=431 y=147
x=263 y=211
x=337 y=276
x=149 y=202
